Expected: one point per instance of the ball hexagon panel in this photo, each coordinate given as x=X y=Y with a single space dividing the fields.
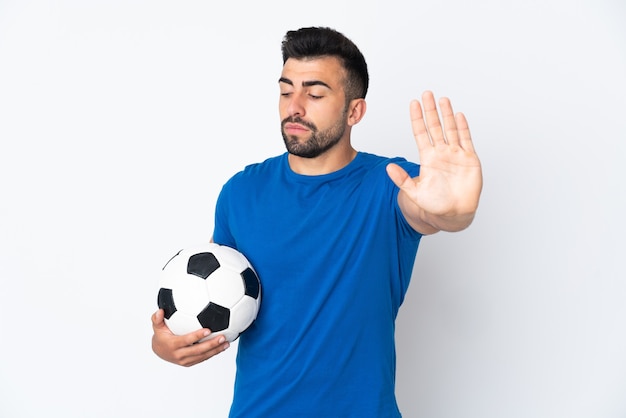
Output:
x=231 y=258
x=181 y=323
x=223 y=288
x=190 y=294
x=244 y=313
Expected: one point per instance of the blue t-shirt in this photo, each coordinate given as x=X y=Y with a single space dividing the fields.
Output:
x=334 y=255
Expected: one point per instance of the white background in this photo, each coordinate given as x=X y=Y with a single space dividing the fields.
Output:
x=120 y=121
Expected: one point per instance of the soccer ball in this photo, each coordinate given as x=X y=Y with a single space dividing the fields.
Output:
x=209 y=286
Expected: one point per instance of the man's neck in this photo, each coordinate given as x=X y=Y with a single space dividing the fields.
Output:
x=329 y=162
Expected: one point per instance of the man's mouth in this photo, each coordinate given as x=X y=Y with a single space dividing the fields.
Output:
x=295 y=128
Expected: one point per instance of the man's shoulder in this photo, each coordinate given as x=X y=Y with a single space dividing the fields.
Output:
x=374 y=160
x=261 y=168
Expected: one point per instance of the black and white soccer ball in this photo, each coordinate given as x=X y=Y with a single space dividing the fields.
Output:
x=209 y=286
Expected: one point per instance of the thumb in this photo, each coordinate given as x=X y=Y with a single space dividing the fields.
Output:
x=158 y=319
x=399 y=176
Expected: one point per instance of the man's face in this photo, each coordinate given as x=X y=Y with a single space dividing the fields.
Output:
x=312 y=105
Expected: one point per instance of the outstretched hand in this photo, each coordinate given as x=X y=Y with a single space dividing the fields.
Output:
x=445 y=195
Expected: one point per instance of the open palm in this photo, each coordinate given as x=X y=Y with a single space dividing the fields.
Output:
x=450 y=179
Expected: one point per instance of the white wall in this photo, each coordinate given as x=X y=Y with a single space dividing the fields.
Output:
x=120 y=120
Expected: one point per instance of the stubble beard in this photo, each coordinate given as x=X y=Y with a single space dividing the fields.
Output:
x=318 y=142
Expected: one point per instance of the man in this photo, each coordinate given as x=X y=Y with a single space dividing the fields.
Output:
x=333 y=234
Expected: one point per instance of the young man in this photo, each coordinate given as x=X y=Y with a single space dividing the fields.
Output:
x=333 y=234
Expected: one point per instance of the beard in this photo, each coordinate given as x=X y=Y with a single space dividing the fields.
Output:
x=318 y=142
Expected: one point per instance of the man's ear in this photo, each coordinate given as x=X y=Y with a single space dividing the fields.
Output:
x=356 y=111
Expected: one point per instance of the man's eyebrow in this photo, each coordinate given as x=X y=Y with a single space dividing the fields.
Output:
x=305 y=83
x=285 y=80
x=315 y=83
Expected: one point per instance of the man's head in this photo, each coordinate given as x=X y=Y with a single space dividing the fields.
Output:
x=317 y=42
x=322 y=88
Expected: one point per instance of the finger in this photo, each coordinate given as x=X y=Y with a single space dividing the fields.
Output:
x=212 y=345
x=449 y=123
x=465 y=137
x=195 y=336
x=200 y=352
x=419 y=126
x=433 y=124
x=197 y=353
